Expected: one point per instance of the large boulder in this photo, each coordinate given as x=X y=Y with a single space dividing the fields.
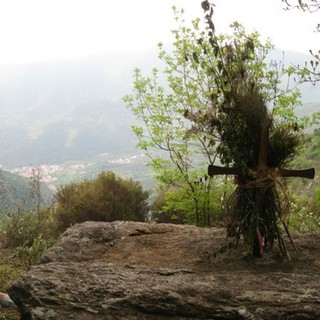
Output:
x=131 y=270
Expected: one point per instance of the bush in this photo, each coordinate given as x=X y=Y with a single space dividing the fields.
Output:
x=20 y=229
x=159 y=212
x=305 y=216
x=316 y=201
x=106 y=198
x=29 y=234
x=175 y=204
x=30 y=255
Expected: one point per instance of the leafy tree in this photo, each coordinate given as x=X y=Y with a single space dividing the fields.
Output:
x=168 y=114
x=106 y=198
x=166 y=128
x=184 y=117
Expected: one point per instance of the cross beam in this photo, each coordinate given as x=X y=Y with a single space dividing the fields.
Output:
x=238 y=171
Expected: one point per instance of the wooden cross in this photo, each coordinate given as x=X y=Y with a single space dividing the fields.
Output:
x=262 y=173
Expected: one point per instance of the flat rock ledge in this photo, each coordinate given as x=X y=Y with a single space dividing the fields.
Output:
x=131 y=270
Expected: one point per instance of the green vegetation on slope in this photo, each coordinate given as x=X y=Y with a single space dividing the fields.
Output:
x=304 y=193
x=16 y=193
x=310 y=153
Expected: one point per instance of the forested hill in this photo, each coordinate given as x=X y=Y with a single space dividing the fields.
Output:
x=15 y=193
x=56 y=111
x=310 y=153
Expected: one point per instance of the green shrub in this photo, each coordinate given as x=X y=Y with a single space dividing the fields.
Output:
x=106 y=198
x=20 y=229
x=161 y=214
x=30 y=255
x=305 y=216
x=175 y=205
x=28 y=233
x=316 y=200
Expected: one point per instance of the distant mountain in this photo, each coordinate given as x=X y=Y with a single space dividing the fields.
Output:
x=58 y=111
x=65 y=110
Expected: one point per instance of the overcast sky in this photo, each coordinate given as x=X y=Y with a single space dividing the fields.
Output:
x=37 y=30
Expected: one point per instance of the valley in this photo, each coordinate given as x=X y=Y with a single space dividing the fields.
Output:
x=132 y=165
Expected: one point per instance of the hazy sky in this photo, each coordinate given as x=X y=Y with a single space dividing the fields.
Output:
x=36 y=30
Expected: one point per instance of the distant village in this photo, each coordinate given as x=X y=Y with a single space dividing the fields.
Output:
x=48 y=172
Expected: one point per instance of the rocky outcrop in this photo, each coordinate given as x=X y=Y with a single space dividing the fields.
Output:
x=130 y=270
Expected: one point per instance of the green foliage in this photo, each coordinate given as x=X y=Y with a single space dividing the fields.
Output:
x=29 y=233
x=30 y=255
x=305 y=194
x=311 y=147
x=308 y=157
x=305 y=213
x=20 y=229
x=177 y=119
x=220 y=100
x=317 y=200
x=175 y=205
x=106 y=198
x=15 y=193
x=158 y=212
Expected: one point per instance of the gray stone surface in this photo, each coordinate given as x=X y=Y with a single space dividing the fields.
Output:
x=130 y=270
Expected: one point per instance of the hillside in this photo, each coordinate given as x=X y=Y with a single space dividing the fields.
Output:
x=309 y=155
x=66 y=110
x=15 y=193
